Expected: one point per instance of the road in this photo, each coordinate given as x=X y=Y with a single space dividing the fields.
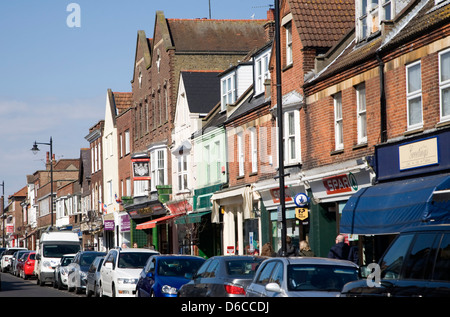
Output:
x=13 y=286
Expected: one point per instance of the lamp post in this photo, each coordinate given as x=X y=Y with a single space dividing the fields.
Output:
x=3 y=212
x=280 y=128
x=35 y=149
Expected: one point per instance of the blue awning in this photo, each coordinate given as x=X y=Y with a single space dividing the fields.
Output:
x=389 y=208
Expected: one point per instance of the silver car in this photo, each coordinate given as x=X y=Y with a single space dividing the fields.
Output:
x=93 y=277
x=222 y=276
x=302 y=276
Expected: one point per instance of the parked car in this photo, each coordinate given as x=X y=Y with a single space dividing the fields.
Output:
x=61 y=273
x=417 y=263
x=16 y=259
x=120 y=271
x=6 y=258
x=26 y=267
x=302 y=277
x=222 y=276
x=93 y=277
x=163 y=275
x=77 y=270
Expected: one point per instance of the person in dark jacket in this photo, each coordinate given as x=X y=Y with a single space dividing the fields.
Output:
x=291 y=250
x=340 y=250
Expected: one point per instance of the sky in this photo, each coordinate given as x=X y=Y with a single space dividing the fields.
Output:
x=59 y=57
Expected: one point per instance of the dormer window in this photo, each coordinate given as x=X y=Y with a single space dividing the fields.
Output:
x=370 y=14
x=228 y=90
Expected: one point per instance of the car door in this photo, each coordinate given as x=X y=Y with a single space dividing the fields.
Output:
x=193 y=289
x=258 y=287
x=107 y=272
x=147 y=277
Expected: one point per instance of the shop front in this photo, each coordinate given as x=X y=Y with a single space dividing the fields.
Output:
x=413 y=189
x=297 y=227
x=329 y=189
x=234 y=207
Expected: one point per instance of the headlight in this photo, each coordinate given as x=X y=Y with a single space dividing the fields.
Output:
x=83 y=274
x=47 y=265
x=63 y=271
x=166 y=289
x=127 y=280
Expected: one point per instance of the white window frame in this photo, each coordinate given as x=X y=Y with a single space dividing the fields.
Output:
x=140 y=187
x=254 y=149
x=158 y=157
x=370 y=16
x=240 y=146
x=444 y=85
x=338 y=122
x=207 y=160
x=127 y=142
x=262 y=72
x=228 y=90
x=361 y=113
x=291 y=138
x=289 y=51
x=413 y=95
x=182 y=172
x=218 y=160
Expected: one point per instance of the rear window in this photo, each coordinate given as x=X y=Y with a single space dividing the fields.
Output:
x=133 y=260
x=244 y=267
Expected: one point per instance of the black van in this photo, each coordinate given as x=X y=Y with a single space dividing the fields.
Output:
x=416 y=264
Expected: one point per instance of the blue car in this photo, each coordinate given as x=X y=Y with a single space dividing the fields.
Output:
x=163 y=275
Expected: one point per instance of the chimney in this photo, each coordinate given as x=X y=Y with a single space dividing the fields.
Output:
x=269 y=27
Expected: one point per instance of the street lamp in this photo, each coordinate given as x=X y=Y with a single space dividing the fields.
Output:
x=280 y=128
x=35 y=149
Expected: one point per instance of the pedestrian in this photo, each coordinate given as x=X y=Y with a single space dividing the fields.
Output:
x=291 y=250
x=340 y=250
x=305 y=250
x=135 y=245
x=267 y=250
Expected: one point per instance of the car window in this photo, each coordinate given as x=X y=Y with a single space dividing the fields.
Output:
x=201 y=271
x=212 y=269
x=442 y=266
x=243 y=267
x=133 y=260
x=277 y=274
x=178 y=266
x=418 y=264
x=264 y=275
x=392 y=262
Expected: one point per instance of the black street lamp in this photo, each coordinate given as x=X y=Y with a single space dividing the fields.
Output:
x=280 y=128
x=35 y=149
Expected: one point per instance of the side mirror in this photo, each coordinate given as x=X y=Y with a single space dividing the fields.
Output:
x=273 y=287
x=108 y=265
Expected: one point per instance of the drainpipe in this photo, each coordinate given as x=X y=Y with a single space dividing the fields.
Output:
x=383 y=116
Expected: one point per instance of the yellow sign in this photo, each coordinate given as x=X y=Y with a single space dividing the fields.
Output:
x=301 y=213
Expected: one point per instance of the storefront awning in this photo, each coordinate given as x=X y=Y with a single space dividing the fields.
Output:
x=389 y=208
x=152 y=223
x=193 y=217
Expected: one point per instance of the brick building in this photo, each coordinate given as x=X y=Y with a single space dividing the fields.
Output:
x=176 y=45
x=379 y=101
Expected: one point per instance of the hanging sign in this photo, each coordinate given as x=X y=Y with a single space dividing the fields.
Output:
x=141 y=168
x=301 y=199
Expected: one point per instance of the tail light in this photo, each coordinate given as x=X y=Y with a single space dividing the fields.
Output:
x=234 y=289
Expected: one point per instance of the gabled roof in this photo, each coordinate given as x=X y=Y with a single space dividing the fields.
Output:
x=209 y=35
x=321 y=23
x=123 y=101
x=202 y=90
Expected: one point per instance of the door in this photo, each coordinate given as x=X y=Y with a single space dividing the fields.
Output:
x=258 y=287
x=107 y=272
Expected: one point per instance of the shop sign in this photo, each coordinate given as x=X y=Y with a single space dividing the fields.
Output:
x=301 y=213
x=275 y=193
x=418 y=154
x=109 y=225
x=230 y=249
x=125 y=223
x=340 y=184
x=141 y=168
x=301 y=199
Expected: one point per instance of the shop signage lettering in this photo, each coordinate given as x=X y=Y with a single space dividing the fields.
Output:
x=340 y=184
x=275 y=193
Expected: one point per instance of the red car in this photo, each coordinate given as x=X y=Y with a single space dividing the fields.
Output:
x=26 y=268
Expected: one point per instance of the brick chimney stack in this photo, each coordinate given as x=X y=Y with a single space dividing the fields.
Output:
x=269 y=27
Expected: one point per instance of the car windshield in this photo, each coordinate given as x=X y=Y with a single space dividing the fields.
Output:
x=88 y=258
x=32 y=256
x=66 y=261
x=178 y=267
x=58 y=250
x=243 y=267
x=319 y=277
x=133 y=260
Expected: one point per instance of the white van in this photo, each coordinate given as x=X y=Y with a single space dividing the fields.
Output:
x=52 y=246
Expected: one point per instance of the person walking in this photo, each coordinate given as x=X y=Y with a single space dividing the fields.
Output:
x=267 y=250
x=340 y=250
x=291 y=250
x=305 y=250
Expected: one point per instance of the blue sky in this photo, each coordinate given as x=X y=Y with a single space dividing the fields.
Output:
x=54 y=78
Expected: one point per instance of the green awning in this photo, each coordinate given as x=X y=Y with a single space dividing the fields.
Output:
x=193 y=217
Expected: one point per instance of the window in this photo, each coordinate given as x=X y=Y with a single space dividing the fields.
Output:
x=261 y=72
x=371 y=13
x=182 y=172
x=292 y=137
x=444 y=84
x=127 y=142
x=361 y=113
x=338 y=123
x=158 y=167
x=140 y=187
x=442 y=265
x=240 y=145
x=254 y=149
x=218 y=160
x=414 y=95
x=207 y=160
x=109 y=193
x=392 y=261
x=288 y=28
x=228 y=90
x=128 y=186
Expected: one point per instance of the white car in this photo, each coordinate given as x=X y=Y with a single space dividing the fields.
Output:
x=120 y=271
